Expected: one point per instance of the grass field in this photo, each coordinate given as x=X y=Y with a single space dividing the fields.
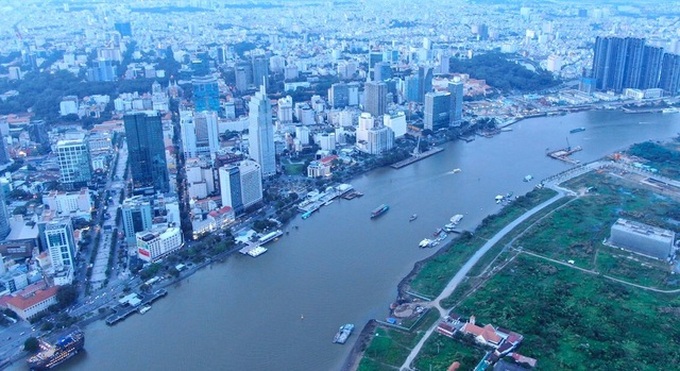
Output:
x=389 y=347
x=577 y=321
x=433 y=274
x=439 y=352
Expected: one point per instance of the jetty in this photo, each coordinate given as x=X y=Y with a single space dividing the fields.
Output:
x=131 y=305
x=564 y=153
x=416 y=157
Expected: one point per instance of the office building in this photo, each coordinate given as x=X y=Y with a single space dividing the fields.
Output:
x=261 y=133
x=371 y=138
x=102 y=70
x=4 y=217
x=59 y=243
x=261 y=71
x=424 y=81
x=382 y=71
x=146 y=151
x=642 y=238
x=158 y=243
x=375 y=95
x=244 y=76
x=187 y=129
x=353 y=93
x=373 y=58
x=437 y=110
x=670 y=74
x=411 y=88
x=74 y=163
x=396 y=122
x=137 y=216
x=207 y=133
x=206 y=93
x=457 y=90
x=338 y=95
x=77 y=203
x=244 y=179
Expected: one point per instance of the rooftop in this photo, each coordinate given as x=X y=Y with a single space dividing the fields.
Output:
x=24 y=299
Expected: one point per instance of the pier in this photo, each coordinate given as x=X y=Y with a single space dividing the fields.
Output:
x=416 y=158
x=124 y=311
x=564 y=153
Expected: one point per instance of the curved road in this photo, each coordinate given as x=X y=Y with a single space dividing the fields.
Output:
x=448 y=290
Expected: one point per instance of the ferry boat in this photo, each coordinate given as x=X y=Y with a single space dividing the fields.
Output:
x=577 y=130
x=52 y=355
x=379 y=211
x=456 y=218
x=344 y=333
x=413 y=217
x=144 y=309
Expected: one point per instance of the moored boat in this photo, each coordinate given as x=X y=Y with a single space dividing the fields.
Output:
x=379 y=211
x=343 y=333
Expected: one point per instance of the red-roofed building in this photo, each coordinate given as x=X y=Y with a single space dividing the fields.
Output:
x=484 y=335
x=524 y=360
x=222 y=216
x=445 y=329
x=26 y=304
x=321 y=168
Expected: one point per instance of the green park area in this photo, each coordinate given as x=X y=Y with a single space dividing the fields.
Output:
x=292 y=168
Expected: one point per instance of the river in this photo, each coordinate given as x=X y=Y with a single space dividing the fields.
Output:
x=340 y=266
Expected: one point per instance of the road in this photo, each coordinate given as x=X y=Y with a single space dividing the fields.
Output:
x=458 y=278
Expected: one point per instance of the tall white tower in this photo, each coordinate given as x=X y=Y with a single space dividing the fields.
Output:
x=261 y=133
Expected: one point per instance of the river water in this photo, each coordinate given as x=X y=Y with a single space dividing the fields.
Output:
x=340 y=266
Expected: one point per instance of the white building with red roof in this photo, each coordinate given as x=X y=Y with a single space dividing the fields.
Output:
x=31 y=301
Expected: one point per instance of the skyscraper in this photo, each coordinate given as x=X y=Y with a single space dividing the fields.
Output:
x=424 y=81
x=261 y=71
x=670 y=74
x=230 y=188
x=338 y=95
x=146 y=151
x=207 y=133
x=383 y=71
x=375 y=95
x=59 y=243
x=651 y=67
x=206 y=93
x=74 y=163
x=456 y=88
x=285 y=110
x=634 y=49
x=188 y=133
x=437 y=110
x=4 y=217
x=137 y=216
x=241 y=185
x=261 y=133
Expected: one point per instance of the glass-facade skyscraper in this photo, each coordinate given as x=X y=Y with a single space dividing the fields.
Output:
x=146 y=151
x=206 y=94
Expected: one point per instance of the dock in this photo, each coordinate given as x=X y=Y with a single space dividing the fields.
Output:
x=564 y=153
x=416 y=158
x=123 y=312
x=253 y=250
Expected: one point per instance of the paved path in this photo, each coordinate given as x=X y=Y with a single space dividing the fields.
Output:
x=456 y=280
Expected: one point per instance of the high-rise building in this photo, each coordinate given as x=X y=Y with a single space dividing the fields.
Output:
x=437 y=110
x=375 y=95
x=261 y=133
x=4 y=155
x=261 y=71
x=230 y=188
x=4 y=217
x=411 y=91
x=188 y=133
x=373 y=58
x=102 y=70
x=137 y=216
x=424 y=81
x=59 y=243
x=207 y=133
x=382 y=71
x=456 y=88
x=123 y=28
x=371 y=138
x=206 y=93
x=338 y=95
x=158 y=243
x=670 y=74
x=146 y=151
x=621 y=63
x=353 y=93
x=285 y=110
x=396 y=122
x=74 y=163
x=651 y=67
x=244 y=76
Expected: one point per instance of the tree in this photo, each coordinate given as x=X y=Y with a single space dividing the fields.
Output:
x=31 y=345
x=66 y=295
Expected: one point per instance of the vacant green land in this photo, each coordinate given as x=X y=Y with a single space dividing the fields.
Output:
x=573 y=320
x=390 y=347
x=439 y=352
x=433 y=274
x=663 y=157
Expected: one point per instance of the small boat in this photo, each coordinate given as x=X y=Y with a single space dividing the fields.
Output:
x=424 y=243
x=528 y=178
x=413 y=217
x=344 y=333
x=577 y=130
x=144 y=309
x=457 y=170
x=456 y=218
x=438 y=232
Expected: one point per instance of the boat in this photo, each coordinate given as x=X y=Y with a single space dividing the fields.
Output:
x=457 y=170
x=379 y=211
x=450 y=227
x=413 y=217
x=52 y=355
x=424 y=243
x=307 y=214
x=344 y=333
x=456 y=219
x=577 y=130
x=438 y=232
x=144 y=309
x=528 y=178
x=271 y=236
